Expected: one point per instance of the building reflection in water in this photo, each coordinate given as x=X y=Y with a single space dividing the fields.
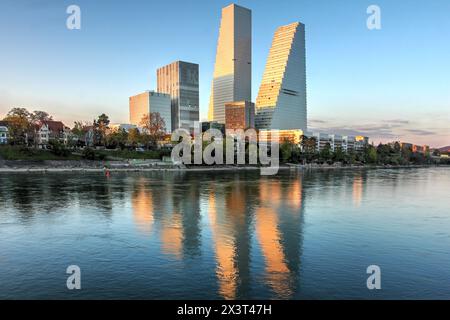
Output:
x=172 y=235
x=163 y=204
x=357 y=191
x=278 y=223
x=142 y=204
x=277 y=273
x=271 y=211
x=225 y=249
x=358 y=187
x=253 y=220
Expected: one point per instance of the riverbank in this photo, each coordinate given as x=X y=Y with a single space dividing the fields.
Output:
x=156 y=165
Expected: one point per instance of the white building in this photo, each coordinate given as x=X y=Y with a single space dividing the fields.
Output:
x=322 y=139
x=361 y=143
x=121 y=126
x=52 y=130
x=151 y=102
x=281 y=101
x=3 y=134
x=348 y=143
x=232 y=79
x=335 y=141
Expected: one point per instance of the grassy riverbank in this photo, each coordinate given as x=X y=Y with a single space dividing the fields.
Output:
x=23 y=153
x=32 y=154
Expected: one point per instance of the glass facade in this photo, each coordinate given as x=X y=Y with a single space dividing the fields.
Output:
x=180 y=80
x=232 y=69
x=281 y=101
x=149 y=102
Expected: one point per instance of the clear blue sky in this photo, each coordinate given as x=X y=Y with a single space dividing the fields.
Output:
x=391 y=83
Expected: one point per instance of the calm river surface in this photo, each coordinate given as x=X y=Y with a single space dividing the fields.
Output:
x=161 y=235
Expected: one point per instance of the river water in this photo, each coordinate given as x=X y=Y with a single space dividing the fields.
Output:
x=175 y=235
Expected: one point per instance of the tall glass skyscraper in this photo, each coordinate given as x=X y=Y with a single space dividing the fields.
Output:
x=180 y=80
x=281 y=101
x=232 y=78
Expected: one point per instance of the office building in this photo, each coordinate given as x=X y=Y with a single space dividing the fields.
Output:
x=239 y=115
x=281 y=100
x=232 y=69
x=150 y=102
x=180 y=80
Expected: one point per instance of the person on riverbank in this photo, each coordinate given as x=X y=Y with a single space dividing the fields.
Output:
x=106 y=171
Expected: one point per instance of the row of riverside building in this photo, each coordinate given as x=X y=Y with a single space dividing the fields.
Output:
x=41 y=133
x=281 y=100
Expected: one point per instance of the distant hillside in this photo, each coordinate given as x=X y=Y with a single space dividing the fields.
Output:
x=445 y=149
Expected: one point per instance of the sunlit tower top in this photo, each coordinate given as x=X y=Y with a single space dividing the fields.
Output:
x=232 y=69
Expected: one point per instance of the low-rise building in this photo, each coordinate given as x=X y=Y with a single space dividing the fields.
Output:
x=361 y=142
x=121 y=126
x=335 y=142
x=51 y=130
x=322 y=140
x=3 y=132
x=406 y=145
x=415 y=148
x=293 y=136
x=88 y=137
x=421 y=149
x=3 y=135
x=348 y=144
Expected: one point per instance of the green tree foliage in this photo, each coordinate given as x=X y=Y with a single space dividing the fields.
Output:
x=371 y=155
x=339 y=155
x=100 y=128
x=286 y=151
x=22 y=125
x=91 y=154
x=134 y=137
x=59 y=149
x=39 y=116
x=117 y=139
x=88 y=154
x=325 y=154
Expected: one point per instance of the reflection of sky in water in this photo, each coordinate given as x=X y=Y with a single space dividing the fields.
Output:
x=226 y=235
